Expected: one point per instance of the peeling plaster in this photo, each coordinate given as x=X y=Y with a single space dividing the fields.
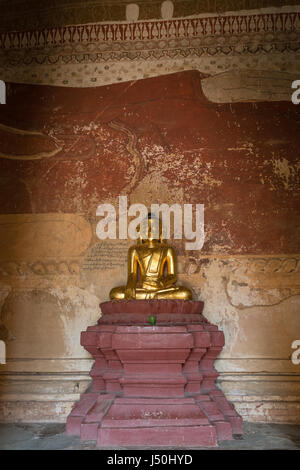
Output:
x=79 y=309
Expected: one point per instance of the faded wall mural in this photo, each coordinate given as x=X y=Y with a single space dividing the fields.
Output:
x=186 y=111
x=65 y=151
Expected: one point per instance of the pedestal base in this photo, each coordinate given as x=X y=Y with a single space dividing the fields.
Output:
x=154 y=385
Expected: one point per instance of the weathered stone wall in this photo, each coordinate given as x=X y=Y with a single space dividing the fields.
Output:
x=224 y=134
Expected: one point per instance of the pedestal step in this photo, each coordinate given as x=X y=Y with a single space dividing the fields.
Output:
x=185 y=436
x=154 y=385
x=190 y=422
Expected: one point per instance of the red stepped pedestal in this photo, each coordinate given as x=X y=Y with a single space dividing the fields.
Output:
x=153 y=385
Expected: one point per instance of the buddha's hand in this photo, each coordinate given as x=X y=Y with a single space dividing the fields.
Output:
x=129 y=292
x=169 y=280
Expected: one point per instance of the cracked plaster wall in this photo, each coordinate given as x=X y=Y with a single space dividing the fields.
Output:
x=224 y=134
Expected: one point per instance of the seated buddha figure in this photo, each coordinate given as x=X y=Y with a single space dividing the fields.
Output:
x=152 y=269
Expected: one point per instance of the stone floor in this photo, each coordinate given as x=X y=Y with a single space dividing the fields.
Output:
x=51 y=436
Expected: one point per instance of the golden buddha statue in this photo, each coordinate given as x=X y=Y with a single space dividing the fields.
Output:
x=147 y=262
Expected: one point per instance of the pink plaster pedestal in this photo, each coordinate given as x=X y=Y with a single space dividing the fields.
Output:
x=153 y=385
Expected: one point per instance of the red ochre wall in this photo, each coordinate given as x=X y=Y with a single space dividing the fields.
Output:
x=64 y=151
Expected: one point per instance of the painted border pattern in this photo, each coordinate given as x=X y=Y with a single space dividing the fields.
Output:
x=153 y=30
x=153 y=40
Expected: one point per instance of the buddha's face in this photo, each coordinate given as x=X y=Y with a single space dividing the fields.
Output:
x=150 y=230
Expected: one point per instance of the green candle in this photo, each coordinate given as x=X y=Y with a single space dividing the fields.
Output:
x=152 y=320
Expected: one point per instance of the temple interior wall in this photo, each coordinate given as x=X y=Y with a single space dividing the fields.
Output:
x=186 y=106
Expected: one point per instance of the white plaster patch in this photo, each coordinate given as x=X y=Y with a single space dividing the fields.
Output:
x=132 y=12
x=167 y=10
x=285 y=171
x=80 y=309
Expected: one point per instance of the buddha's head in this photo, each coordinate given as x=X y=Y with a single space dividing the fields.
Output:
x=151 y=229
